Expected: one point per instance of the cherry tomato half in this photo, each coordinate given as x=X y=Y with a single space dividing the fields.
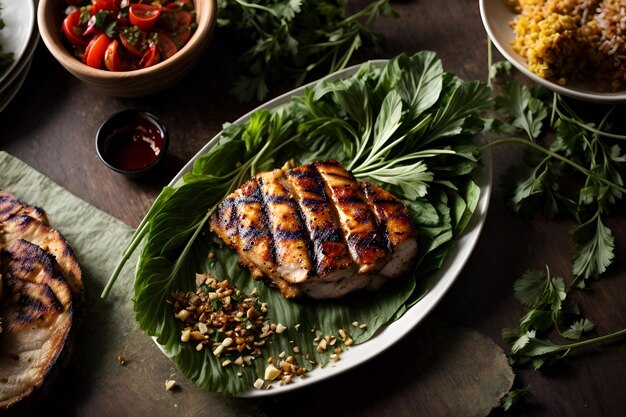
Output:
x=151 y=57
x=178 y=25
x=136 y=47
x=107 y=5
x=112 y=59
x=167 y=47
x=72 y=30
x=144 y=16
x=95 y=51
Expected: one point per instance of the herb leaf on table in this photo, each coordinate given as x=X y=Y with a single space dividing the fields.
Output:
x=573 y=167
x=549 y=308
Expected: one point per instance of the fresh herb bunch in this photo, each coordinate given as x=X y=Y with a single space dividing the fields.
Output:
x=291 y=38
x=574 y=167
x=580 y=173
x=385 y=122
x=549 y=309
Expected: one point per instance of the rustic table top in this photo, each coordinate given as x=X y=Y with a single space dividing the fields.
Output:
x=51 y=125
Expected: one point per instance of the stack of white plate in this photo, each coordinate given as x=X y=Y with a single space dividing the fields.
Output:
x=19 y=36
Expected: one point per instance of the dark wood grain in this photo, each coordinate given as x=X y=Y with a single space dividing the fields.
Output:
x=51 y=125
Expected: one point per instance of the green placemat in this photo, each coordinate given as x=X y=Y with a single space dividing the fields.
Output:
x=94 y=383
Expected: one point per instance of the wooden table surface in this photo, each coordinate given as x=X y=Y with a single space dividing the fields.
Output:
x=52 y=122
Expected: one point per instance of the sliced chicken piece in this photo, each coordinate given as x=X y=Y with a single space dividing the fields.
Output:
x=393 y=217
x=336 y=272
x=38 y=314
x=367 y=244
x=290 y=238
x=48 y=239
x=241 y=222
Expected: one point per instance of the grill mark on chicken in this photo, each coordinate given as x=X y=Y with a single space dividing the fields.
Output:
x=254 y=225
x=242 y=224
x=366 y=243
x=326 y=238
x=293 y=257
x=391 y=214
x=394 y=218
x=224 y=222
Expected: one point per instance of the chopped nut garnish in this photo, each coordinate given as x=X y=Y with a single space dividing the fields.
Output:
x=170 y=384
x=342 y=334
x=211 y=255
x=233 y=325
x=362 y=326
x=211 y=316
x=271 y=373
x=121 y=359
x=348 y=342
x=322 y=346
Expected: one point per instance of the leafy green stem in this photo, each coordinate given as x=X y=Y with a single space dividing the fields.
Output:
x=547 y=347
x=136 y=239
x=555 y=155
x=586 y=126
x=258 y=7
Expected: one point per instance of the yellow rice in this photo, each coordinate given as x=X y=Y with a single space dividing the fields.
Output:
x=571 y=41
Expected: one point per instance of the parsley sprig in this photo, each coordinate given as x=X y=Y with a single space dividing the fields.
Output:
x=574 y=167
x=549 y=309
x=290 y=38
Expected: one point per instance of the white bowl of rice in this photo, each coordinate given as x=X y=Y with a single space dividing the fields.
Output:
x=574 y=47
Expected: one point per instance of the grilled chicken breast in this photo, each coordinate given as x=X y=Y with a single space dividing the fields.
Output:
x=38 y=313
x=316 y=230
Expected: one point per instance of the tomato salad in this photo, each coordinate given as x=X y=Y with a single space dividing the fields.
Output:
x=125 y=35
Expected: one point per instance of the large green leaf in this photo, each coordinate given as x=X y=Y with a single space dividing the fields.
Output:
x=318 y=125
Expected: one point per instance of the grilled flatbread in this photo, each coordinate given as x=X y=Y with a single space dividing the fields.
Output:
x=38 y=313
x=48 y=239
x=40 y=309
x=11 y=206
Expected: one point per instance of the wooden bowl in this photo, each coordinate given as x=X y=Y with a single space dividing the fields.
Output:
x=137 y=83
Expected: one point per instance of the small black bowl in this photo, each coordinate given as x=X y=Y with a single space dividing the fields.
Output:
x=132 y=142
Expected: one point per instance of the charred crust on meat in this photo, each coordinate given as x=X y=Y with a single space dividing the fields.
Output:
x=327 y=233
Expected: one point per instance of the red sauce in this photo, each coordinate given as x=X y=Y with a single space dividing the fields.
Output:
x=134 y=146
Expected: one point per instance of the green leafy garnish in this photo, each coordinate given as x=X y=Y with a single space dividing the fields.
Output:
x=548 y=309
x=515 y=397
x=291 y=38
x=573 y=167
x=407 y=126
